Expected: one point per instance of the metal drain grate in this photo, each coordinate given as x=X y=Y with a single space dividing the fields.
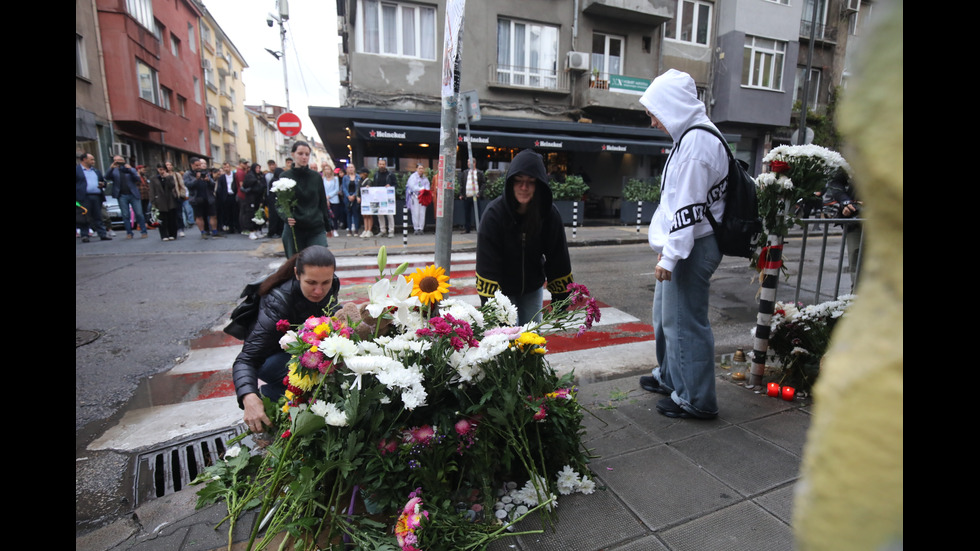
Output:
x=167 y=470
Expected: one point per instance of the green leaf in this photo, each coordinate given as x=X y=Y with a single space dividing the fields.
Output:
x=307 y=422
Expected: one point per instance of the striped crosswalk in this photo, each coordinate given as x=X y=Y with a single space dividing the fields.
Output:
x=197 y=395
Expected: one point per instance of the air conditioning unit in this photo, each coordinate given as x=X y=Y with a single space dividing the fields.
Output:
x=852 y=5
x=206 y=63
x=121 y=149
x=578 y=61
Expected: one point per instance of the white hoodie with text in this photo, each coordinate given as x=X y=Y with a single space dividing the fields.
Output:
x=694 y=173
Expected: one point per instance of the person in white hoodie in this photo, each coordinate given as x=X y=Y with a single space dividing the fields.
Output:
x=687 y=254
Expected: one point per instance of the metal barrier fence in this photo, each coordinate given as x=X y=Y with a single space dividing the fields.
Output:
x=829 y=258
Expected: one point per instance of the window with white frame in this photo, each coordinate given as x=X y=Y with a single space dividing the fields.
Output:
x=527 y=54
x=191 y=39
x=174 y=45
x=607 y=55
x=691 y=23
x=142 y=11
x=149 y=86
x=197 y=89
x=814 y=89
x=397 y=29
x=182 y=105
x=81 y=60
x=762 y=63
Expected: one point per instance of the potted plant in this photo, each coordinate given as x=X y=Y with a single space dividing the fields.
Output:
x=565 y=193
x=640 y=194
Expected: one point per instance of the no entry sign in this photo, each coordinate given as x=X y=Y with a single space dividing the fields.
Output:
x=289 y=124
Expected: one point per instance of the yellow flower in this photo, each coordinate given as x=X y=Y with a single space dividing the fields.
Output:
x=529 y=340
x=429 y=284
x=303 y=382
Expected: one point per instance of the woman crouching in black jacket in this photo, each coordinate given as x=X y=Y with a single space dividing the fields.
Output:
x=302 y=287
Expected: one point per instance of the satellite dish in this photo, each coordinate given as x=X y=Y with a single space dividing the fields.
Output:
x=796 y=133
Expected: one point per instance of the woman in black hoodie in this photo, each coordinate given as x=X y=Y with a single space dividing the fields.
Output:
x=521 y=241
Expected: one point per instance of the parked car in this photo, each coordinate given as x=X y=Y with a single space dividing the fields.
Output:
x=115 y=213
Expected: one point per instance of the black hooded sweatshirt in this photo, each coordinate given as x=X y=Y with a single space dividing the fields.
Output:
x=518 y=253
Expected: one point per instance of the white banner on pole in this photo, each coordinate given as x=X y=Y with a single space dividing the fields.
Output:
x=450 y=57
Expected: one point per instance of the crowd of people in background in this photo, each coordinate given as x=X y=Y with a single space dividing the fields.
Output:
x=230 y=199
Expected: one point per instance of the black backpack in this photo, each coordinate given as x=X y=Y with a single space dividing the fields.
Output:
x=244 y=315
x=738 y=232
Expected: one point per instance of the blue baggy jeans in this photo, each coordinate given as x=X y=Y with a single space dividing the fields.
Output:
x=685 y=344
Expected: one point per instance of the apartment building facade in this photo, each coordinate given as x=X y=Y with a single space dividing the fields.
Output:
x=562 y=77
x=93 y=122
x=152 y=77
x=222 y=66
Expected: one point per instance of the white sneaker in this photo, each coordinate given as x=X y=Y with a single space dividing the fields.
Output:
x=253 y=236
x=336 y=233
x=180 y=233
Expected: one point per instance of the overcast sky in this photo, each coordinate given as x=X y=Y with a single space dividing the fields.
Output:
x=311 y=52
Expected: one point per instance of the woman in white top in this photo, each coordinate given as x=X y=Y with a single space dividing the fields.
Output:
x=416 y=183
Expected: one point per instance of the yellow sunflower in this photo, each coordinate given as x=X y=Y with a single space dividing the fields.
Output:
x=429 y=284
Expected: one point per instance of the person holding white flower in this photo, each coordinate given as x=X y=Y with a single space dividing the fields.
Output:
x=310 y=216
x=304 y=286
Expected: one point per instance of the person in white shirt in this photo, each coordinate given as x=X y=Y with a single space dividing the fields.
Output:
x=687 y=253
x=417 y=182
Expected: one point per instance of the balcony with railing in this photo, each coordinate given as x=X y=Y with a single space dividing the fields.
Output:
x=610 y=90
x=822 y=31
x=532 y=78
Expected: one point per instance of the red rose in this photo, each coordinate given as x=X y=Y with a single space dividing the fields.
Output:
x=282 y=326
x=778 y=166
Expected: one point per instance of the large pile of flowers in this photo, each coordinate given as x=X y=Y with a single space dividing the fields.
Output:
x=411 y=421
x=801 y=336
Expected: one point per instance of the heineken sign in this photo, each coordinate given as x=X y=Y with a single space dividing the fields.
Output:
x=628 y=85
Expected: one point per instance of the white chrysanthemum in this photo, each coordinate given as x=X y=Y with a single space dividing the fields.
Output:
x=462 y=311
x=414 y=397
x=333 y=415
x=586 y=486
x=336 y=345
x=765 y=179
x=289 y=338
x=283 y=184
x=369 y=348
x=397 y=375
x=501 y=309
x=493 y=345
x=402 y=344
x=568 y=480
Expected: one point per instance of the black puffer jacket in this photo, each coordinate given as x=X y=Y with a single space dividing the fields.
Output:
x=284 y=302
x=518 y=253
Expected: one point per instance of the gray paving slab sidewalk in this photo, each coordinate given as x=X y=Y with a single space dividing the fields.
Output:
x=664 y=484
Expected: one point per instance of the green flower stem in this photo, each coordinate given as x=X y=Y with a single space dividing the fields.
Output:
x=276 y=481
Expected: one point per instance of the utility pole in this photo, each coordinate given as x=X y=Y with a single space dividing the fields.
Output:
x=448 y=132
